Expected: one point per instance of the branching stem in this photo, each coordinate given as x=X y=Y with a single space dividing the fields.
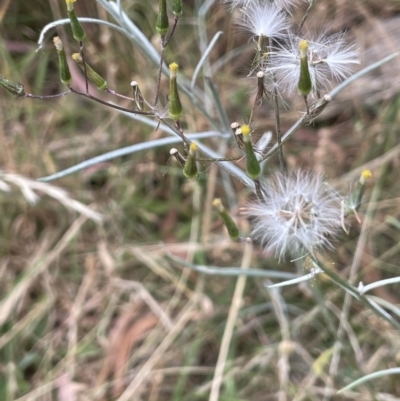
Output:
x=164 y=44
x=84 y=67
x=307 y=13
x=282 y=163
x=114 y=106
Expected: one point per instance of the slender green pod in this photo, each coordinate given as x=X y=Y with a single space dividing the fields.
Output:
x=77 y=29
x=162 y=23
x=190 y=168
x=13 y=87
x=305 y=85
x=253 y=168
x=92 y=75
x=177 y=7
x=230 y=225
x=174 y=106
x=356 y=197
x=65 y=74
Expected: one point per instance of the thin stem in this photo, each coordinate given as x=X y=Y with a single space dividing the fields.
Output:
x=252 y=110
x=113 y=106
x=285 y=138
x=307 y=105
x=176 y=19
x=259 y=190
x=230 y=325
x=307 y=13
x=220 y=159
x=164 y=44
x=160 y=69
x=84 y=66
x=350 y=289
x=261 y=92
x=233 y=271
x=282 y=163
x=112 y=92
x=47 y=96
x=181 y=133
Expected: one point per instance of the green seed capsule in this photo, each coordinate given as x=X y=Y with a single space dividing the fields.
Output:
x=92 y=75
x=65 y=74
x=190 y=168
x=357 y=195
x=304 y=86
x=15 y=88
x=162 y=23
x=230 y=225
x=177 y=7
x=77 y=30
x=253 y=168
x=174 y=106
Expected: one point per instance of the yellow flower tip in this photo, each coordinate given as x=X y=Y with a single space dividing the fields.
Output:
x=173 y=67
x=70 y=5
x=217 y=203
x=57 y=43
x=245 y=129
x=303 y=45
x=193 y=147
x=77 y=57
x=366 y=174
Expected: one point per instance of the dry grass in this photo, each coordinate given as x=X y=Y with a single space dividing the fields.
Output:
x=100 y=311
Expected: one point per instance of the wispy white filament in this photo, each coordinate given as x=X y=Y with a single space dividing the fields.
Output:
x=330 y=59
x=300 y=213
x=264 y=19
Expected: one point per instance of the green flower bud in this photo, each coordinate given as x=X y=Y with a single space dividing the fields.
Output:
x=92 y=75
x=253 y=168
x=174 y=106
x=162 y=23
x=15 y=88
x=230 y=225
x=190 y=168
x=354 y=202
x=177 y=7
x=77 y=30
x=304 y=86
x=65 y=74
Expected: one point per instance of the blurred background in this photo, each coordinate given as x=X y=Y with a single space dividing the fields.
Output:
x=87 y=309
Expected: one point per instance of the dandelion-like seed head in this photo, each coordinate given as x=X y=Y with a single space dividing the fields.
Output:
x=300 y=214
x=264 y=19
x=330 y=58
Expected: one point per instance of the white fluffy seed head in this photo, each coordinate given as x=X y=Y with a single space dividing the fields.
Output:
x=330 y=59
x=264 y=19
x=300 y=214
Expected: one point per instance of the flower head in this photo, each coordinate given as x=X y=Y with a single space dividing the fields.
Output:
x=264 y=19
x=329 y=59
x=298 y=215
